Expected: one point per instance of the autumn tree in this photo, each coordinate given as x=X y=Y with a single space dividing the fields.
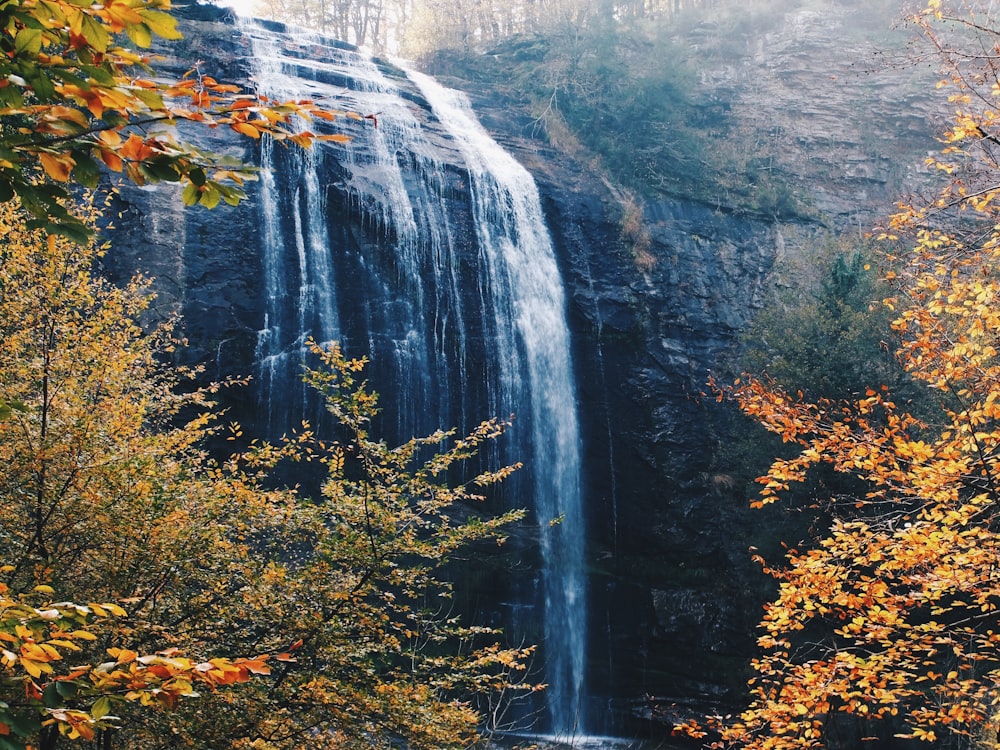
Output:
x=109 y=496
x=73 y=98
x=371 y=23
x=430 y=26
x=887 y=624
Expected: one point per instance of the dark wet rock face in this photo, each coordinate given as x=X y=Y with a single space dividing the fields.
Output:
x=656 y=294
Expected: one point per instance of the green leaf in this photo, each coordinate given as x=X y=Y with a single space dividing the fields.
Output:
x=101 y=74
x=139 y=34
x=53 y=11
x=24 y=725
x=198 y=176
x=150 y=98
x=162 y=170
x=85 y=171
x=66 y=688
x=41 y=83
x=69 y=76
x=101 y=707
x=231 y=195
x=74 y=231
x=190 y=194
x=28 y=42
x=210 y=196
x=114 y=119
x=48 y=191
x=51 y=697
x=161 y=24
x=12 y=96
x=94 y=32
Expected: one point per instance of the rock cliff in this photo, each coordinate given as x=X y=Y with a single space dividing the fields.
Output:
x=655 y=308
x=658 y=291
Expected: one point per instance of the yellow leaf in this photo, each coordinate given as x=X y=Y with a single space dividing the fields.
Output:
x=162 y=24
x=64 y=644
x=35 y=668
x=115 y=609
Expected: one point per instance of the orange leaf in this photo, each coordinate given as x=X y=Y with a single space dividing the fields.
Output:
x=111 y=159
x=56 y=166
x=135 y=149
x=256 y=666
x=110 y=137
x=246 y=129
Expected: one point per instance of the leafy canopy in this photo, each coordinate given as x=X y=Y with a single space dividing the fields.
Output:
x=73 y=98
x=887 y=623
x=43 y=672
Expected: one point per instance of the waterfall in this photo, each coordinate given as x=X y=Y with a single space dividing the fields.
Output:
x=461 y=322
x=311 y=313
x=529 y=308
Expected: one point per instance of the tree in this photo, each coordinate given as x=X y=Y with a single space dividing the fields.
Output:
x=825 y=331
x=72 y=98
x=362 y=22
x=109 y=495
x=887 y=624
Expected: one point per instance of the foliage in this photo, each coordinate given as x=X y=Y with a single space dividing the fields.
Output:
x=72 y=98
x=361 y=22
x=421 y=27
x=824 y=330
x=475 y=25
x=44 y=670
x=887 y=624
x=108 y=495
x=822 y=333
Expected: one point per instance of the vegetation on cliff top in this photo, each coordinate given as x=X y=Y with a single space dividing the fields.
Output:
x=622 y=84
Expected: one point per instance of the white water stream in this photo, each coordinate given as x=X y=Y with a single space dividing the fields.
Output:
x=530 y=309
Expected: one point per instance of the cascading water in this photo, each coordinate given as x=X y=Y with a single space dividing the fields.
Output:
x=462 y=321
x=312 y=313
x=529 y=309
x=414 y=326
